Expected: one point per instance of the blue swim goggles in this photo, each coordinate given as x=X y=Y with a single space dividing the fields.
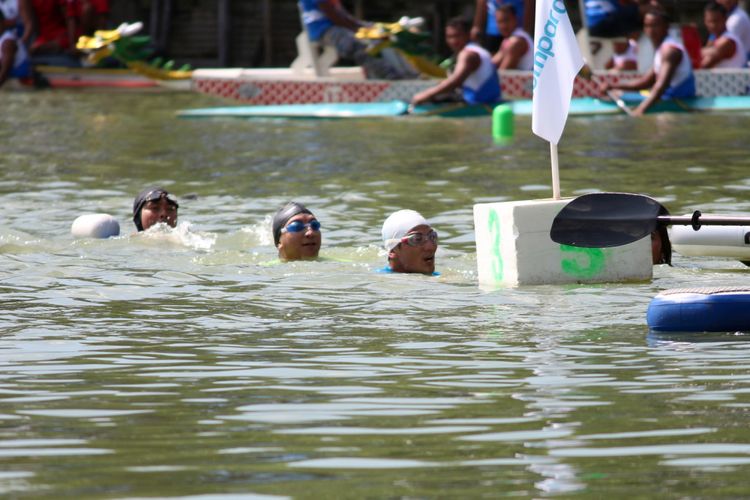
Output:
x=297 y=226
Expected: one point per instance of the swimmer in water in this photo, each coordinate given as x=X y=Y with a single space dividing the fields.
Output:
x=154 y=205
x=411 y=243
x=296 y=232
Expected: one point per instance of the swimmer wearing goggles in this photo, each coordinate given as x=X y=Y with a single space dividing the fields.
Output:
x=154 y=205
x=296 y=233
x=411 y=243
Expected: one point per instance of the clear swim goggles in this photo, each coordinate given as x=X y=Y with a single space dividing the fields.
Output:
x=158 y=194
x=298 y=225
x=419 y=239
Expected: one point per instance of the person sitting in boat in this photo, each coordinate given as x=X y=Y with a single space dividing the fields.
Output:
x=296 y=232
x=723 y=49
x=516 y=50
x=474 y=73
x=411 y=243
x=672 y=74
x=625 y=57
x=328 y=22
x=15 y=31
x=738 y=22
x=154 y=205
x=485 y=31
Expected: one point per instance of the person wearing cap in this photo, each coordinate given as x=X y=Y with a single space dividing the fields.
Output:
x=411 y=243
x=154 y=205
x=296 y=232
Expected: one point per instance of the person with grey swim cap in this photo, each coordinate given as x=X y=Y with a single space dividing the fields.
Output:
x=411 y=243
x=296 y=232
x=154 y=205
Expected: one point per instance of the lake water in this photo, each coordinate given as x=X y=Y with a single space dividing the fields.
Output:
x=186 y=363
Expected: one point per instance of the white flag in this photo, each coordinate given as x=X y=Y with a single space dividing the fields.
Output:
x=557 y=61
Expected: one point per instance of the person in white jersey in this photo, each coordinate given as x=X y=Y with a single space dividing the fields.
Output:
x=671 y=76
x=517 y=48
x=474 y=74
x=723 y=49
x=15 y=32
x=738 y=22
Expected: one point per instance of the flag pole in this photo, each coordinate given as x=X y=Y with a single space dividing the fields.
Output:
x=555 y=171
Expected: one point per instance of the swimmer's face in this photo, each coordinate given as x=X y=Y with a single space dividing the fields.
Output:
x=405 y=258
x=161 y=210
x=506 y=23
x=456 y=38
x=715 y=22
x=300 y=245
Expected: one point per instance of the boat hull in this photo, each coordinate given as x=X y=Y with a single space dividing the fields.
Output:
x=281 y=86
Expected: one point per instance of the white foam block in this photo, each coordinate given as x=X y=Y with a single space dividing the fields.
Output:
x=514 y=248
x=95 y=226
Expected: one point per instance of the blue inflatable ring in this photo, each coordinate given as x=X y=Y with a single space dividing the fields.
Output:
x=700 y=310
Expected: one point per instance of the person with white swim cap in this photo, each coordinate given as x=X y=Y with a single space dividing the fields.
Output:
x=296 y=232
x=411 y=243
x=152 y=206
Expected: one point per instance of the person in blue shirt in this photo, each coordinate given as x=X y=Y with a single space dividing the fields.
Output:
x=328 y=23
x=612 y=18
x=474 y=74
x=411 y=243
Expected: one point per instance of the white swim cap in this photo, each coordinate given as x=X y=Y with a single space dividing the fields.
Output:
x=398 y=224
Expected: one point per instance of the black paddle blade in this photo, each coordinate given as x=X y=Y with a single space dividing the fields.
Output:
x=600 y=220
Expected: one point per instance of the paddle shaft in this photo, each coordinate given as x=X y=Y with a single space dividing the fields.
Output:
x=697 y=220
x=620 y=103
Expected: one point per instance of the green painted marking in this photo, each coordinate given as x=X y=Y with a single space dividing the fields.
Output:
x=584 y=262
x=496 y=261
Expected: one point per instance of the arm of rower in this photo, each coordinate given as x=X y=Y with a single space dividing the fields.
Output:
x=339 y=17
x=516 y=48
x=28 y=19
x=644 y=82
x=468 y=62
x=480 y=20
x=670 y=62
x=712 y=55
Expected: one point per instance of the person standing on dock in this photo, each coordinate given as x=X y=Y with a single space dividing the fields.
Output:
x=672 y=74
x=738 y=22
x=328 y=23
x=475 y=74
x=723 y=49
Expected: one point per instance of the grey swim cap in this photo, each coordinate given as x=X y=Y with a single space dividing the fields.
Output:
x=283 y=215
x=149 y=194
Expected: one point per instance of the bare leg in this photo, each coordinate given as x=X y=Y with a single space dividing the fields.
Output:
x=8 y=51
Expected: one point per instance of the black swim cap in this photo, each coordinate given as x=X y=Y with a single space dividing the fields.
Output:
x=283 y=215
x=149 y=194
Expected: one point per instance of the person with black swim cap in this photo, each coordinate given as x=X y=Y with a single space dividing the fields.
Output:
x=296 y=232
x=152 y=206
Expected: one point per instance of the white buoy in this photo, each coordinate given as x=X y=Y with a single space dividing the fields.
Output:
x=95 y=226
x=514 y=248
